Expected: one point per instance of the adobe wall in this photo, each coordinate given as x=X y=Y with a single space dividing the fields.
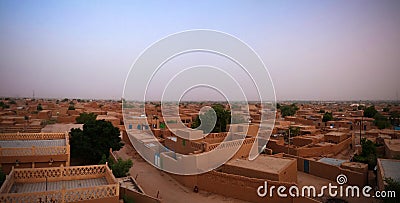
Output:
x=136 y=196
x=330 y=172
x=33 y=161
x=67 y=119
x=181 y=146
x=323 y=150
x=248 y=172
x=380 y=176
x=245 y=148
x=238 y=187
x=301 y=141
x=125 y=138
x=279 y=148
x=288 y=174
x=390 y=154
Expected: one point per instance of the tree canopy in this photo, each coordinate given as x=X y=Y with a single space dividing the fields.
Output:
x=71 y=107
x=119 y=168
x=370 y=112
x=381 y=121
x=39 y=107
x=85 y=118
x=368 y=153
x=96 y=139
x=327 y=117
x=394 y=118
x=223 y=119
x=288 y=110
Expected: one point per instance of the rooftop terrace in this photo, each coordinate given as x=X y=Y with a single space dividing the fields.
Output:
x=62 y=184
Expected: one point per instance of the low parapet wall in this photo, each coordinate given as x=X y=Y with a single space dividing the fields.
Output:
x=236 y=186
x=308 y=151
x=328 y=171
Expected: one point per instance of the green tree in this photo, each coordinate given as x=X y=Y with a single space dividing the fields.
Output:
x=289 y=110
x=39 y=107
x=119 y=168
x=223 y=119
x=386 y=109
x=3 y=105
x=2 y=177
x=370 y=111
x=381 y=121
x=394 y=118
x=71 y=107
x=86 y=118
x=294 y=131
x=368 y=153
x=327 y=117
x=96 y=139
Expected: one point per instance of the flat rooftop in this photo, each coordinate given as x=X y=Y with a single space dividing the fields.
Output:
x=61 y=127
x=335 y=133
x=391 y=168
x=144 y=137
x=31 y=143
x=57 y=185
x=332 y=161
x=393 y=145
x=63 y=184
x=268 y=164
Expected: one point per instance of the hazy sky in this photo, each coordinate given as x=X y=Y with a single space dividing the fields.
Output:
x=314 y=50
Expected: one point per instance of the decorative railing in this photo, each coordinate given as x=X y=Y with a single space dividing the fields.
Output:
x=33 y=175
x=8 y=182
x=34 y=151
x=196 y=145
x=231 y=144
x=15 y=129
x=70 y=195
x=60 y=173
x=32 y=136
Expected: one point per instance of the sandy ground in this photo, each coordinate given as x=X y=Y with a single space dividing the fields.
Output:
x=154 y=181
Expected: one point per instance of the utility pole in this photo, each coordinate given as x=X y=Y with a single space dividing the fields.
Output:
x=361 y=124
x=288 y=149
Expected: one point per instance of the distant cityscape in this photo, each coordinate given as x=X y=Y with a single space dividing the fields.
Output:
x=310 y=143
